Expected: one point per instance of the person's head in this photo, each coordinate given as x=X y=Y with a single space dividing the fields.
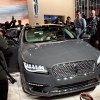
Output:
x=68 y=19
x=92 y=13
x=37 y=23
x=78 y=14
x=45 y=21
x=27 y=25
x=19 y=22
x=6 y=23
x=12 y=17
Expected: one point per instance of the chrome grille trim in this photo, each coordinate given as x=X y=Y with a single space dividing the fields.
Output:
x=72 y=69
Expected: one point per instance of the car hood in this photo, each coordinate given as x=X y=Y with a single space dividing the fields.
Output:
x=50 y=53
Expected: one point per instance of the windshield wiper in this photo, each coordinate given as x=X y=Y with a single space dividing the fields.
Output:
x=41 y=41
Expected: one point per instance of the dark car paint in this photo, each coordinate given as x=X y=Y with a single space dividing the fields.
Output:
x=52 y=53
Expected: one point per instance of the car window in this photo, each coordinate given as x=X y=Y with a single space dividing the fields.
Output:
x=11 y=32
x=44 y=34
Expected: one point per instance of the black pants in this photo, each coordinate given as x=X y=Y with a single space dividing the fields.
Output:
x=93 y=40
x=3 y=89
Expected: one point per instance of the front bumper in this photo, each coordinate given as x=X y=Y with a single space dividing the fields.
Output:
x=47 y=85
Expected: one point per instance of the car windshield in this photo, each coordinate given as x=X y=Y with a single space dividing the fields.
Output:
x=47 y=33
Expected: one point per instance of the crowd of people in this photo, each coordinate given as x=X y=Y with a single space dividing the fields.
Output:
x=82 y=25
x=12 y=24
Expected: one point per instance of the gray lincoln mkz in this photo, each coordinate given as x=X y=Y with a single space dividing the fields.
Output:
x=53 y=62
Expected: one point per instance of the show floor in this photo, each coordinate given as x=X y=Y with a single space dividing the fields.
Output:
x=16 y=93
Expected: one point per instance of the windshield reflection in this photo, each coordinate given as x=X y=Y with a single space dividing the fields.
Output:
x=45 y=34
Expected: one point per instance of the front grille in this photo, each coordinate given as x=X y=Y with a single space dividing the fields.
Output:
x=72 y=69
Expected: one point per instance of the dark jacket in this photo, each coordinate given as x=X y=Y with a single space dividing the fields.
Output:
x=3 y=46
x=92 y=23
x=98 y=31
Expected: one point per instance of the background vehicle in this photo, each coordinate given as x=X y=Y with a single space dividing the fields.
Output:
x=53 y=62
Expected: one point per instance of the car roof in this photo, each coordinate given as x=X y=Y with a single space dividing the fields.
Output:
x=50 y=25
x=41 y=25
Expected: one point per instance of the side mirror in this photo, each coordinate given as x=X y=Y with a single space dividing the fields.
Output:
x=86 y=37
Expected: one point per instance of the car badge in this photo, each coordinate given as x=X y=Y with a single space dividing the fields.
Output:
x=75 y=68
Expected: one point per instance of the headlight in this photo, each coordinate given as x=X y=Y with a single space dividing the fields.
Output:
x=98 y=60
x=35 y=68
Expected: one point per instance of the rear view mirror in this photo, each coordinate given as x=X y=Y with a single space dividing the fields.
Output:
x=86 y=36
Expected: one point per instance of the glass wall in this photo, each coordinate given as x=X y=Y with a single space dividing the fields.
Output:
x=51 y=18
x=85 y=6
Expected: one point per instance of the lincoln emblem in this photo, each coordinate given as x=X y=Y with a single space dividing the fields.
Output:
x=35 y=7
x=75 y=68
